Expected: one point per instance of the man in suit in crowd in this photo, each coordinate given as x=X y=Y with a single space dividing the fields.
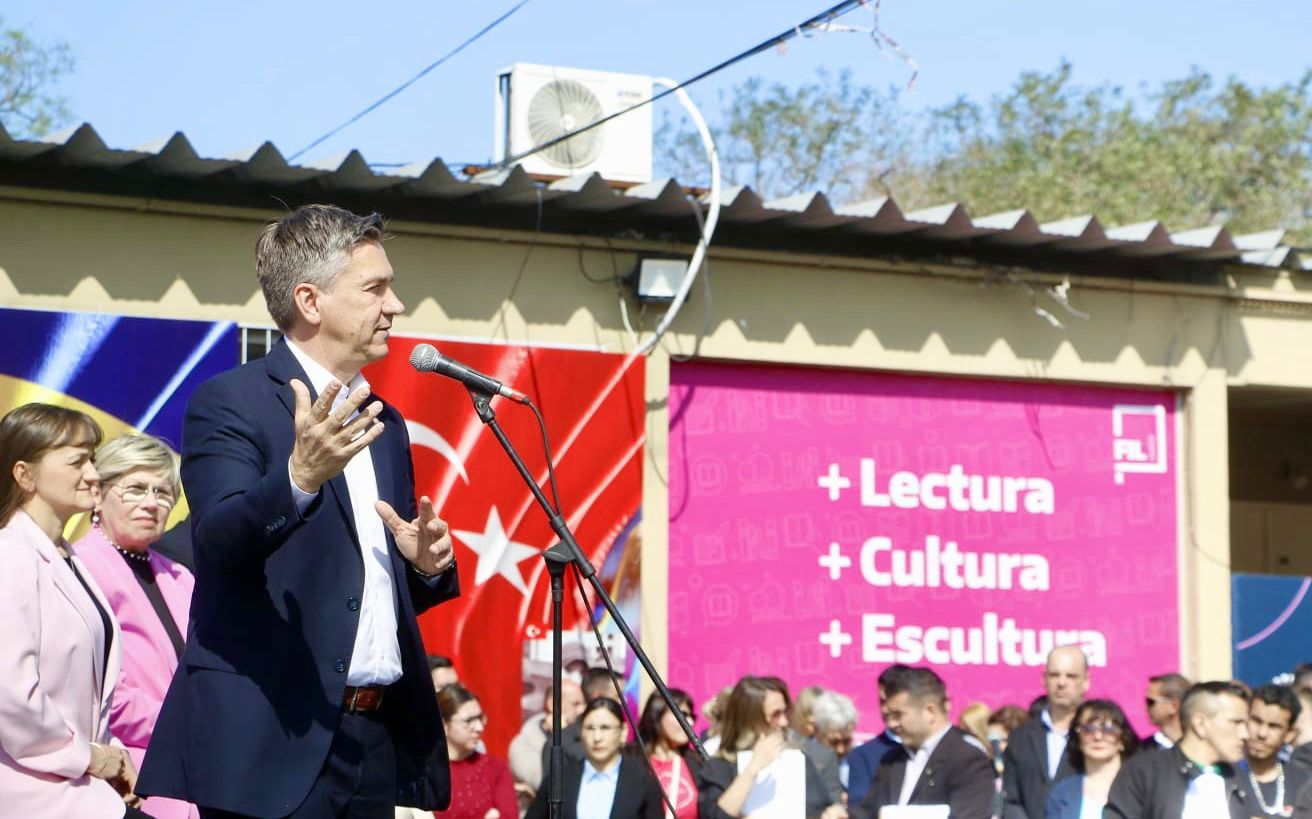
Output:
x=304 y=690
x=1197 y=777
x=1163 y=703
x=1036 y=751
x=937 y=763
x=863 y=762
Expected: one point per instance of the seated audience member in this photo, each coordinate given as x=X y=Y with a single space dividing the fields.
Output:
x=149 y=594
x=481 y=784
x=834 y=719
x=936 y=764
x=526 y=747
x=1036 y=751
x=756 y=720
x=713 y=712
x=1163 y=703
x=672 y=756
x=1103 y=739
x=1272 y=785
x=800 y=724
x=1196 y=777
x=863 y=762
x=1002 y=724
x=443 y=671
x=606 y=783
x=1300 y=753
x=974 y=720
x=597 y=683
x=60 y=647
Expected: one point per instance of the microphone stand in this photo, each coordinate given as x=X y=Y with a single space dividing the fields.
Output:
x=558 y=558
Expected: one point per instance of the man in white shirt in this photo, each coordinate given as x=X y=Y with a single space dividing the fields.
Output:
x=936 y=764
x=1196 y=779
x=304 y=689
x=1162 y=701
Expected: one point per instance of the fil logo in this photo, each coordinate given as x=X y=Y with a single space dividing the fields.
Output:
x=1139 y=439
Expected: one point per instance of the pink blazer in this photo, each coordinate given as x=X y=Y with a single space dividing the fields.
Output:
x=148 y=658
x=54 y=700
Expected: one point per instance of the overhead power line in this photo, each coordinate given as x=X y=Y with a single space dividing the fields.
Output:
x=403 y=86
x=828 y=15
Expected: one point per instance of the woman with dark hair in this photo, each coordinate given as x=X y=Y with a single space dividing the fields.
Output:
x=481 y=784
x=607 y=784
x=676 y=764
x=756 y=720
x=1102 y=739
x=59 y=645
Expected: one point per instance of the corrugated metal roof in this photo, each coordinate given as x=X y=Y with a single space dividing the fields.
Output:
x=171 y=168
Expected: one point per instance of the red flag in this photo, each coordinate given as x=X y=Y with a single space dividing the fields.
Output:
x=593 y=404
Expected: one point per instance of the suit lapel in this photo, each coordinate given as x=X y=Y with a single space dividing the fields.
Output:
x=282 y=367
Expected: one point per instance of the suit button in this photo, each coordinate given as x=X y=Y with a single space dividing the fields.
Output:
x=353 y=604
x=340 y=666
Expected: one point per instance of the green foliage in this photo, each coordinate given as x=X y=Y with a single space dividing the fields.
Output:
x=27 y=73
x=1190 y=153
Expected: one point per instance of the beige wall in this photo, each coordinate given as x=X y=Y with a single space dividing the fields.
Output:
x=160 y=259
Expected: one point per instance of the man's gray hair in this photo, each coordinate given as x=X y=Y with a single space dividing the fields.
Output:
x=833 y=711
x=312 y=244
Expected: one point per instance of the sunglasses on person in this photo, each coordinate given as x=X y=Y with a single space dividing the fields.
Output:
x=1093 y=729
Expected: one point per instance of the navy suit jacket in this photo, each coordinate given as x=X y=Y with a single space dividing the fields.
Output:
x=256 y=699
x=863 y=765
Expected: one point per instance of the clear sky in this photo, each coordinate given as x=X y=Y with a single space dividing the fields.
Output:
x=234 y=74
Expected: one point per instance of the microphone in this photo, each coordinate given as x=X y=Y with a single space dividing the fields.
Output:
x=426 y=359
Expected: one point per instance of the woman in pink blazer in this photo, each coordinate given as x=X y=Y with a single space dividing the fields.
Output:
x=59 y=644
x=149 y=593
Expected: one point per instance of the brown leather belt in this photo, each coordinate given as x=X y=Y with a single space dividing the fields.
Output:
x=363 y=699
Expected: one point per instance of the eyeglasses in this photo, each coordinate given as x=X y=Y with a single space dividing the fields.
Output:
x=1093 y=729
x=1151 y=701
x=136 y=493
x=470 y=722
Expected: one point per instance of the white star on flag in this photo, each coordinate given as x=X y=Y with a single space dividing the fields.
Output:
x=497 y=553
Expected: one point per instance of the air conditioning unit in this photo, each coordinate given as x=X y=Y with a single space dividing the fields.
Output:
x=537 y=103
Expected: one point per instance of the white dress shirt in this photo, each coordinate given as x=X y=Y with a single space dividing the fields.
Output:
x=597 y=791
x=916 y=765
x=1056 y=744
x=376 y=657
x=1205 y=798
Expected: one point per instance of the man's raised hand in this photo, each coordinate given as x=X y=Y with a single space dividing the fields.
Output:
x=424 y=541
x=324 y=441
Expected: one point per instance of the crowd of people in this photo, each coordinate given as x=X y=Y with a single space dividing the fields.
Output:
x=287 y=677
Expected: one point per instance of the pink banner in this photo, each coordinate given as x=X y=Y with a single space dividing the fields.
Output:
x=825 y=524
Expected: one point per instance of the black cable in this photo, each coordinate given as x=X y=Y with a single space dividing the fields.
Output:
x=831 y=13
x=403 y=86
x=546 y=445
x=619 y=692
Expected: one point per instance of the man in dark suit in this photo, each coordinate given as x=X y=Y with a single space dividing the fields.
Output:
x=1163 y=704
x=863 y=762
x=304 y=690
x=1036 y=751
x=936 y=764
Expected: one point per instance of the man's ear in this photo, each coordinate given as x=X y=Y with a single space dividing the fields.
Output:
x=305 y=301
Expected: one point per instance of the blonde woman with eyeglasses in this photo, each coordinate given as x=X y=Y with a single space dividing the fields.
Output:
x=149 y=593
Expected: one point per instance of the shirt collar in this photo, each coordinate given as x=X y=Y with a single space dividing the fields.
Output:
x=1046 y=717
x=320 y=378
x=933 y=741
x=591 y=774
